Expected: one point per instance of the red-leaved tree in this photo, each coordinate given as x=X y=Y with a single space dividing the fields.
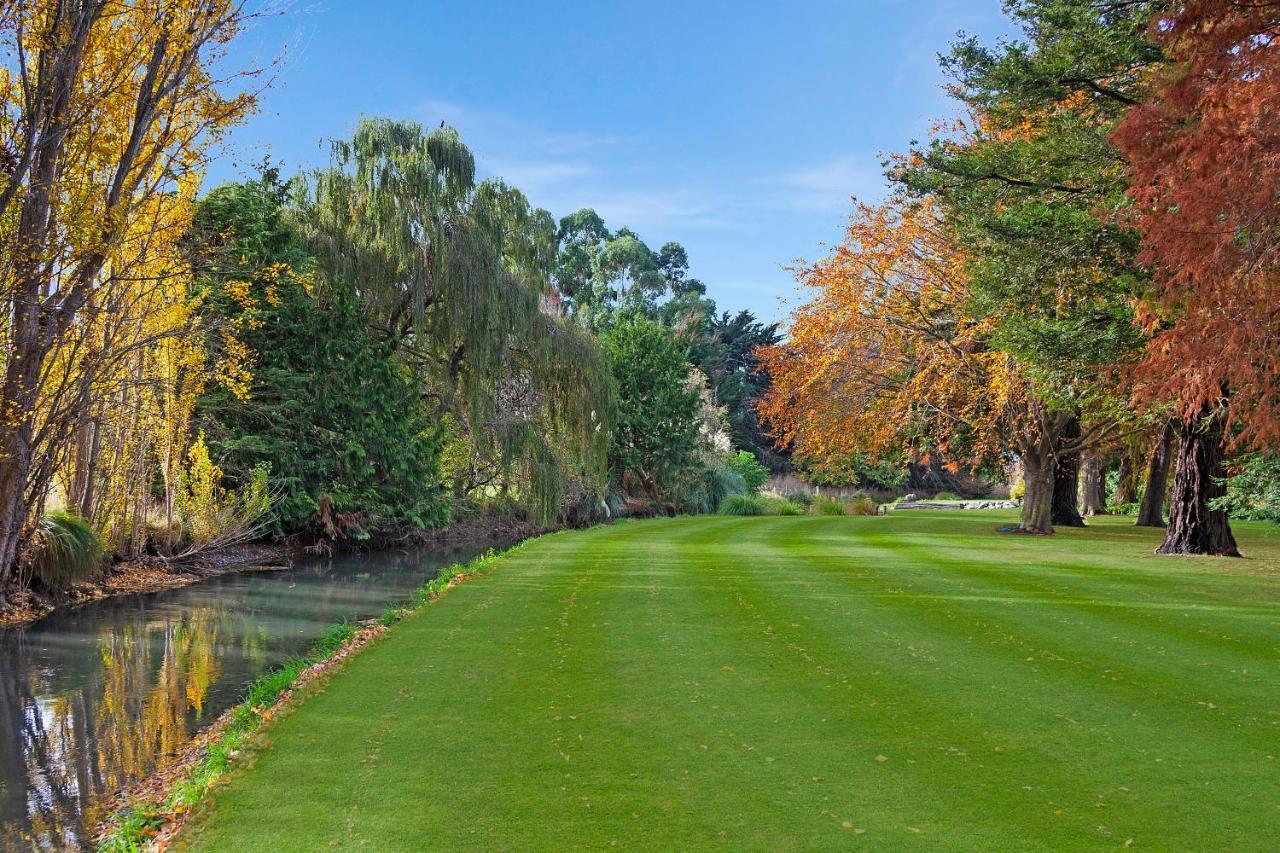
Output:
x=1204 y=148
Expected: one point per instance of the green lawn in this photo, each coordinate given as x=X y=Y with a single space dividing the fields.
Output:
x=911 y=682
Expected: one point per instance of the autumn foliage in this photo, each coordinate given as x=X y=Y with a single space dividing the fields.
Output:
x=884 y=355
x=1204 y=149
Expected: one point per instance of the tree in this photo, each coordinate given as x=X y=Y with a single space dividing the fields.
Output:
x=1022 y=182
x=339 y=421
x=106 y=111
x=732 y=364
x=656 y=428
x=1204 y=155
x=1151 y=511
x=887 y=357
x=457 y=277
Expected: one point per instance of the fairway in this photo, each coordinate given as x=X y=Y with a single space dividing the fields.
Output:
x=909 y=682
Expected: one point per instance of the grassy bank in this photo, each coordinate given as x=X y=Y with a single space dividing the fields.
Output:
x=914 y=681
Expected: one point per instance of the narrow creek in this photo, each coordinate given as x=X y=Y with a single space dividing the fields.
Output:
x=95 y=698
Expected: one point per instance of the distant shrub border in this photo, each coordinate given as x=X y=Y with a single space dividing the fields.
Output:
x=821 y=505
x=157 y=808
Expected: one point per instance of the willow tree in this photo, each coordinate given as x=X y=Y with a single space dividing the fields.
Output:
x=106 y=112
x=457 y=275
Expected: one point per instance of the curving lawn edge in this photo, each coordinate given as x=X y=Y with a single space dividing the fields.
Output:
x=152 y=812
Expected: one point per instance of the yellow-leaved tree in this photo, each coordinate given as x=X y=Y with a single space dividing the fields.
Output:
x=107 y=112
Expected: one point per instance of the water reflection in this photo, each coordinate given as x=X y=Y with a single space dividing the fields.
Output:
x=95 y=698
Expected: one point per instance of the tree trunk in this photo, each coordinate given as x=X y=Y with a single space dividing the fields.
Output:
x=16 y=453
x=1066 y=477
x=1151 y=513
x=1194 y=527
x=1093 y=488
x=1127 y=487
x=1038 y=477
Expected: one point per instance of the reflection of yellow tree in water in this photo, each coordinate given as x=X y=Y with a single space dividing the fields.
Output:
x=153 y=679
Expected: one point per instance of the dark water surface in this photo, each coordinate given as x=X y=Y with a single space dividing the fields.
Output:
x=94 y=698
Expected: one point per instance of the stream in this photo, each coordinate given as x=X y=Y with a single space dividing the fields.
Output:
x=96 y=697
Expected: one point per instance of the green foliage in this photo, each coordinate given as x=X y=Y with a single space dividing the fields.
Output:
x=655 y=430
x=452 y=275
x=824 y=505
x=946 y=496
x=742 y=505
x=1024 y=186
x=338 y=419
x=1018 y=490
x=63 y=549
x=860 y=505
x=706 y=481
x=756 y=505
x=780 y=506
x=1253 y=490
x=601 y=274
x=754 y=475
x=803 y=500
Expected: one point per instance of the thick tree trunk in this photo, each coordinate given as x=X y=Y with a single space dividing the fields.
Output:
x=1151 y=513
x=1066 y=478
x=1093 y=487
x=1038 y=477
x=1195 y=528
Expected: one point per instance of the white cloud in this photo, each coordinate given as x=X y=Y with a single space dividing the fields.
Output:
x=827 y=186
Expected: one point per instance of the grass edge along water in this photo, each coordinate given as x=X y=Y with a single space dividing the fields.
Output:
x=153 y=813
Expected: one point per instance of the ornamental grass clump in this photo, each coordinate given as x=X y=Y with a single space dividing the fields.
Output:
x=742 y=505
x=64 y=549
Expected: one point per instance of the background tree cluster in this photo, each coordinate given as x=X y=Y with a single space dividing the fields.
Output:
x=358 y=352
x=1075 y=276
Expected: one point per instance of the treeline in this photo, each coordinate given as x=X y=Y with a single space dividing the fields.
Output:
x=377 y=347
x=1081 y=275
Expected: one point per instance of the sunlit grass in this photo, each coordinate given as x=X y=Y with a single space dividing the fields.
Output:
x=915 y=681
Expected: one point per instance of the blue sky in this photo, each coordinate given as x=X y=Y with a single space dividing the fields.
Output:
x=738 y=129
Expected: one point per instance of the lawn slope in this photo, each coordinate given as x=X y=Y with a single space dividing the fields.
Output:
x=909 y=682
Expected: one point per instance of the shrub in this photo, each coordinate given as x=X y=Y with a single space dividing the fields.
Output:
x=742 y=505
x=779 y=506
x=804 y=500
x=1017 y=490
x=1253 y=491
x=946 y=496
x=64 y=548
x=754 y=475
x=826 y=506
x=860 y=506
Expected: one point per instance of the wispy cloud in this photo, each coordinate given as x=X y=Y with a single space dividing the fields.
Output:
x=566 y=170
x=827 y=186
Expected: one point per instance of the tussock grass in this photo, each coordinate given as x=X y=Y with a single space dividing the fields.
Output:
x=63 y=549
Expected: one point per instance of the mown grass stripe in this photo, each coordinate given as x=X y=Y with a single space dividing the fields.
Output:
x=798 y=683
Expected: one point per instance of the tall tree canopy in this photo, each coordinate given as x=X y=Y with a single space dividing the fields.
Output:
x=1027 y=181
x=457 y=275
x=1204 y=153
x=886 y=356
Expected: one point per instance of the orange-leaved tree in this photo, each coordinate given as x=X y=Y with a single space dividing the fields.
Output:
x=1204 y=152
x=887 y=356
